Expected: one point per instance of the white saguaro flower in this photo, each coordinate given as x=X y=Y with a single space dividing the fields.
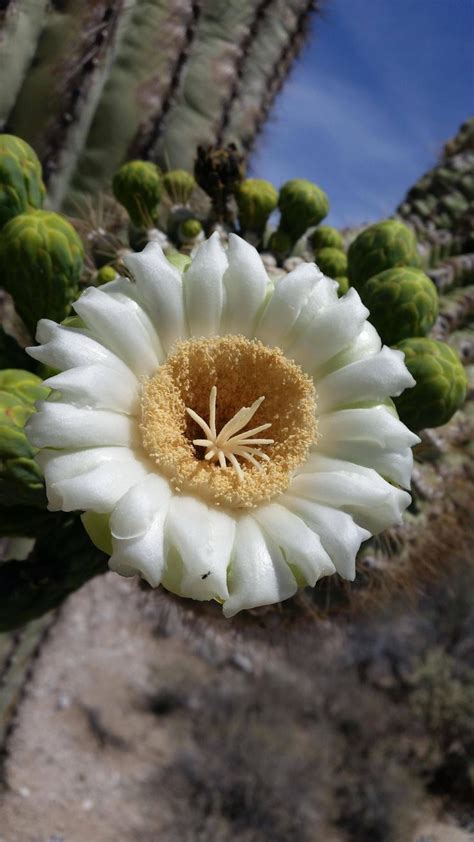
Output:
x=155 y=425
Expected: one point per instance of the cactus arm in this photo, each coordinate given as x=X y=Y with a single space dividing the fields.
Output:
x=277 y=42
x=154 y=43
x=71 y=63
x=20 y=25
x=208 y=80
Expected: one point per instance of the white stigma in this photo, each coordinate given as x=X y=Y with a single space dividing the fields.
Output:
x=230 y=442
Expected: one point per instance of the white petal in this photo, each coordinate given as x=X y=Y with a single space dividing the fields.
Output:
x=137 y=510
x=68 y=347
x=372 y=379
x=143 y=555
x=161 y=288
x=340 y=536
x=395 y=465
x=331 y=330
x=123 y=326
x=203 y=288
x=303 y=291
x=97 y=387
x=245 y=284
x=259 y=574
x=376 y=425
x=17 y=548
x=203 y=537
x=99 y=489
x=58 y=465
x=366 y=344
x=62 y=425
x=301 y=546
x=373 y=502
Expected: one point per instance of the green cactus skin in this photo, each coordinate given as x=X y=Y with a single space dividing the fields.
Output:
x=381 y=246
x=138 y=186
x=343 y=285
x=41 y=261
x=301 y=204
x=332 y=262
x=325 y=236
x=21 y=182
x=21 y=481
x=179 y=185
x=256 y=200
x=441 y=383
x=403 y=302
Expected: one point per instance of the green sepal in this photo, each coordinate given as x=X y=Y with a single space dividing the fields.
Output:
x=98 y=530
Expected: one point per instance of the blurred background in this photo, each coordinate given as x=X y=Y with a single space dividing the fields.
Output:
x=347 y=716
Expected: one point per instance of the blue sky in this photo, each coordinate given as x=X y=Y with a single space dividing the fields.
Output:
x=378 y=89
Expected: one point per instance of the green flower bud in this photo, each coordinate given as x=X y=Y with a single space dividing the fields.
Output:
x=382 y=246
x=403 y=302
x=179 y=185
x=41 y=261
x=332 y=262
x=189 y=230
x=326 y=237
x=343 y=285
x=21 y=481
x=21 y=183
x=280 y=244
x=138 y=186
x=441 y=383
x=301 y=204
x=106 y=274
x=256 y=199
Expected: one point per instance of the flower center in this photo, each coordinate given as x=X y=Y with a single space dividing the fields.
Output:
x=217 y=386
x=232 y=441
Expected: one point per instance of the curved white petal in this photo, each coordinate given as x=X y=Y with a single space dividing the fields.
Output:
x=377 y=426
x=258 y=574
x=58 y=465
x=301 y=545
x=161 y=288
x=63 y=425
x=203 y=537
x=340 y=536
x=123 y=326
x=97 y=387
x=296 y=298
x=98 y=489
x=137 y=510
x=68 y=347
x=143 y=555
x=203 y=288
x=372 y=501
x=395 y=465
x=245 y=286
x=331 y=330
x=372 y=379
x=366 y=344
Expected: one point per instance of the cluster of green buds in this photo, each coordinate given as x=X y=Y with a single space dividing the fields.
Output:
x=330 y=255
x=41 y=254
x=403 y=303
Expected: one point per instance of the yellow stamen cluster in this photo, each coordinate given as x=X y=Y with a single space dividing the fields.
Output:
x=179 y=398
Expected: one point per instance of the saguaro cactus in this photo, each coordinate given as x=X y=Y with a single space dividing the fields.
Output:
x=148 y=79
